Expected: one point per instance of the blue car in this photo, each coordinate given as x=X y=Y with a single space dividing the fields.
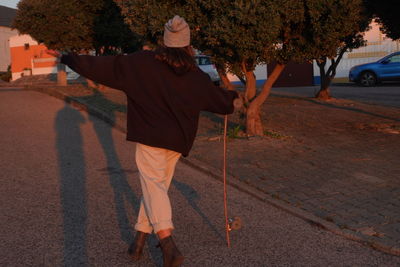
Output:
x=385 y=69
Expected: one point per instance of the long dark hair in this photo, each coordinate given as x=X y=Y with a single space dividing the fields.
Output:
x=180 y=59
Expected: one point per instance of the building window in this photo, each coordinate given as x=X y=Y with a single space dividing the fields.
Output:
x=26 y=46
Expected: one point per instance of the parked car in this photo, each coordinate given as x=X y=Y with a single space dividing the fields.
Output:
x=205 y=64
x=385 y=69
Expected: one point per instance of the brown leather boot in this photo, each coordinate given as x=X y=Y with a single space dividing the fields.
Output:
x=171 y=255
x=135 y=250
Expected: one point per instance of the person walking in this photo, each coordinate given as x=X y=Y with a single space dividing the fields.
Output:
x=166 y=92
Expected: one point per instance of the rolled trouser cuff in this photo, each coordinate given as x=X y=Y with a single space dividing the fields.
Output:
x=164 y=225
x=145 y=228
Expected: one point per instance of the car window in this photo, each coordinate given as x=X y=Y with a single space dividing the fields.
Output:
x=203 y=61
x=394 y=59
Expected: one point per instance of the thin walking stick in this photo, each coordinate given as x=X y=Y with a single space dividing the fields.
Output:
x=227 y=227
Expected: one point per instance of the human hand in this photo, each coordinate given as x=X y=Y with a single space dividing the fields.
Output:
x=238 y=103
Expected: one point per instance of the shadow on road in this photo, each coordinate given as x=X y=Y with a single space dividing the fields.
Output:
x=71 y=164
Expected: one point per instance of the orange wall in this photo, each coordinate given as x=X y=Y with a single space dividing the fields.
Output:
x=22 y=58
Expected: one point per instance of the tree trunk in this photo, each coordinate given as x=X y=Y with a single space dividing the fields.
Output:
x=250 y=92
x=324 y=92
x=225 y=81
x=253 y=117
x=61 y=75
x=328 y=76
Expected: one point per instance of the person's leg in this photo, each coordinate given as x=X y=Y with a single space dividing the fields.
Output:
x=143 y=223
x=156 y=167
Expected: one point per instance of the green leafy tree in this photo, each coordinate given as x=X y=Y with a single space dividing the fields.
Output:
x=242 y=34
x=335 y=27
x=239 y=34
x=59 y=24
x=111 y=35
x=146 y=18
x=387 y=15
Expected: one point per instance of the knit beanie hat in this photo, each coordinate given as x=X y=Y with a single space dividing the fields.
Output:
x=176 y=33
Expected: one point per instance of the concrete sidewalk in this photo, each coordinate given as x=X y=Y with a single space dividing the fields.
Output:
x=70 y=193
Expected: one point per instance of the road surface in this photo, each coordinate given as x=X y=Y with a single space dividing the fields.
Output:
x=69 y=196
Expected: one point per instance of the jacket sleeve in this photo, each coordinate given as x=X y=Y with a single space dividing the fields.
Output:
x=218 y=100
x=106 y=70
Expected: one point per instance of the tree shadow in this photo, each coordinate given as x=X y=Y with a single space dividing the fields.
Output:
x=71 y=164
x=325 y=104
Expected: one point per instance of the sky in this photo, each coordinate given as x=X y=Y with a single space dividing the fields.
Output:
x=9 y=3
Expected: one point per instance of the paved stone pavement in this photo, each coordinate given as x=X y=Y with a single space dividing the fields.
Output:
x=351 y=180
x=363 y=203
x=70 y=193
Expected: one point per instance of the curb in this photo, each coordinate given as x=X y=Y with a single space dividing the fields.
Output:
x=232 y=181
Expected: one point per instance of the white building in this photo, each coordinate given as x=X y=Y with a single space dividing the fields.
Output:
x=6 y=16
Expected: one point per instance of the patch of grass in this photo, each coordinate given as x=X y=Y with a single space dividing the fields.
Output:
x=234 y=132
x=274 y=134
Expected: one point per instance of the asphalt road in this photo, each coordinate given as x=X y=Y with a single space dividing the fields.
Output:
x=387 y=94
x=69 y=196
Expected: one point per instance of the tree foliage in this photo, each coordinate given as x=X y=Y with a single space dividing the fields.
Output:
x=239 y=34
x=146 y=18
x=111 y=35
x=74 y=25
x=387 y=15
x=61 y=25
x=334 y=27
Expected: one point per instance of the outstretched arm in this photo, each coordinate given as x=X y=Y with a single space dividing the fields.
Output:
x=219 y=100
x=106 y=70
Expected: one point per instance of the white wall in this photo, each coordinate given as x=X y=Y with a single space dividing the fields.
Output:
x=5 y=58
x=260 y=72
x=21 y=40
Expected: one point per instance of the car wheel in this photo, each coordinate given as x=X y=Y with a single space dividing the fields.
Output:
x=368 y=79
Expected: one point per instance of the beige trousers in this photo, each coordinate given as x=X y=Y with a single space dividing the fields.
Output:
x=156 y=169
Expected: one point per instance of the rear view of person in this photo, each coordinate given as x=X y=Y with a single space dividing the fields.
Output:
x=166 y=92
